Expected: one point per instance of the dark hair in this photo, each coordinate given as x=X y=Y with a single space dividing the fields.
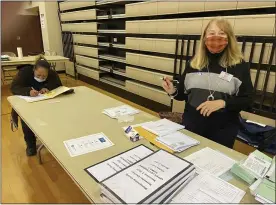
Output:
x=42 y=62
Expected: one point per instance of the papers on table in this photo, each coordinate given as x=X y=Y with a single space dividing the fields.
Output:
x=265 y=193
x=49 y=95
x=206 y=188
x=211 y=161
x=255 y=166
x=177 y=141
x=263 y=190
x=270 y=175
x=86 y=144
x=163 y=127
x=151 y=180
x=123 y=110
x=111 y=166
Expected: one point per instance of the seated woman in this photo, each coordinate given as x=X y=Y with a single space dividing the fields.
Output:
x=216 y=85
x=32 y=81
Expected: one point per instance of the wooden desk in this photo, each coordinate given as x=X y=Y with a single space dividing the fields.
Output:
x=80 y=114
x=31 y=60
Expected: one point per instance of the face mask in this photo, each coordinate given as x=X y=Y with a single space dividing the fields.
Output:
x=39 y=80
x=216 y=44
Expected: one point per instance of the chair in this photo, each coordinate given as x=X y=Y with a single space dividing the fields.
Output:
x=51 y=53
x=6 y=70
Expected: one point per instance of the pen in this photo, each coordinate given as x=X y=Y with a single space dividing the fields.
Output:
x=174 y=81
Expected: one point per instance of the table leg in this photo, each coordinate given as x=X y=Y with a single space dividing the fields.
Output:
x=39 y=153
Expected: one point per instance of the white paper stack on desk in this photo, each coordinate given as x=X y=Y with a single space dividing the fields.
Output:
x=116 y=112
x=206 y=188
x=168 y=135
x=177 y=141
x=151 y=180
x=163 y=127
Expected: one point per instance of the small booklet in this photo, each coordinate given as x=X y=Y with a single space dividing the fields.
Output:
x=52 y=94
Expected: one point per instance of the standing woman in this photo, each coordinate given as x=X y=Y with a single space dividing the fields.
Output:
x=216 y=85
x=32 y=81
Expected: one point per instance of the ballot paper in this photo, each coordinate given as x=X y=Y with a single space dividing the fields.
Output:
x=116 y=112
x=270 y=175
x=49 y=95
x=177 y=141
x=206 y=188
x=107 y=168
x=256 y=165
x=86 y=144
x=211 y=161
x=163 y=127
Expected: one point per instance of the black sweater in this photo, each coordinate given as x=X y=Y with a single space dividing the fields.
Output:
x=194 y=87
x=24 y=81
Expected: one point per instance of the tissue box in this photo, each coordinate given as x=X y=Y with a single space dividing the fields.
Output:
x=132 y=134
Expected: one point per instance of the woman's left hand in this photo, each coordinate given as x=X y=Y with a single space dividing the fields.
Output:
x=43 y=90
x=208 y=107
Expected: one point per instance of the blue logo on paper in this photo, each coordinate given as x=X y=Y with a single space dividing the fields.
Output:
x=102 y=139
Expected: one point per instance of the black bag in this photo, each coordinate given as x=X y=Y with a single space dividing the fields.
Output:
x=262 y=138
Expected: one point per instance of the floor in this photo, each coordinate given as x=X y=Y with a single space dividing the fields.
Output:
x=24 y=180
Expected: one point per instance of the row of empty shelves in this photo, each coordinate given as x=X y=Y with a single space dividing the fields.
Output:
x=94 y=27
x=89 y=14
x=103 y=65
x=69 y=5
x=166 y=46
x=152 y=8
x=242 y=25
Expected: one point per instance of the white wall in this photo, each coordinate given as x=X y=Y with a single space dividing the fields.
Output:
x=51 y=31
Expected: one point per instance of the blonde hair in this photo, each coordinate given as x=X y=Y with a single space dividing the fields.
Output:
x=232 y=54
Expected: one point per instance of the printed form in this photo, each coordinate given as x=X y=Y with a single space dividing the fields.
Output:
x=206 y=188
x=211 y=161
x=86 y=144
x=107 y=168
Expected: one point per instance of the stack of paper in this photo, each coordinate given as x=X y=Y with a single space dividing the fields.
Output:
x=254 y=167
x=163 y=127
x=206 y=188
x=211 y=161
x=177 y=141
x=116 y=112
x=151 y=180
x=264 y=188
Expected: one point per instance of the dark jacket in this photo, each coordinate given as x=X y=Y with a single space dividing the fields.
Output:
x=24 y=81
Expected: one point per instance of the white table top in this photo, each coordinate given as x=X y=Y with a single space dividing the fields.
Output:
x=80 y=114
x=31 y=60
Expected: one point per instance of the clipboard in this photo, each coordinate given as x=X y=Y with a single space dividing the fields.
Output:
x=152 y=138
